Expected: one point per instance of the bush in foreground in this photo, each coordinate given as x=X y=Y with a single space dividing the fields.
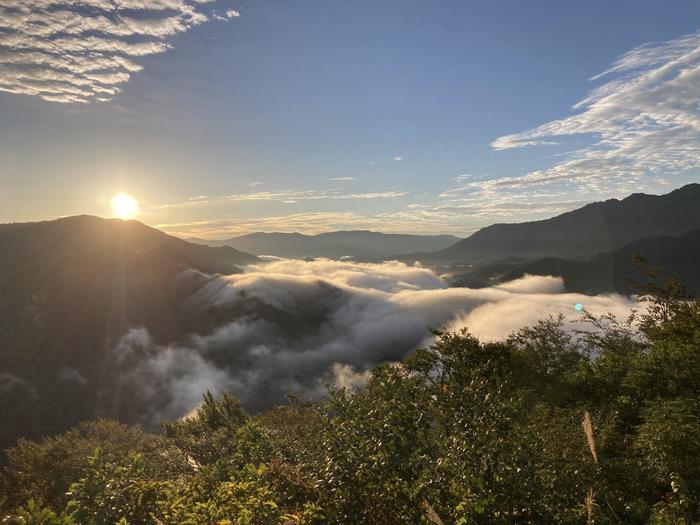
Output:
x=544 y=427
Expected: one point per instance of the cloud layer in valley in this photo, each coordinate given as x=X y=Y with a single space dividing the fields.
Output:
x=86 y=50
x=285 y=326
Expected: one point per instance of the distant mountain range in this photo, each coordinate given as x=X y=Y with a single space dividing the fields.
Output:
x=71 y=288
x=612 y=271
x=594 y=228
x=358 y=244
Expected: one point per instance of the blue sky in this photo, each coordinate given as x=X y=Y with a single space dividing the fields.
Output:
x=419 y=117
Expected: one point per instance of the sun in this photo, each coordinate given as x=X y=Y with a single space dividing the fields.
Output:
x=124 y=206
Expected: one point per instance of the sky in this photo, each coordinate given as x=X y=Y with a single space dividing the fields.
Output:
x=230 y=116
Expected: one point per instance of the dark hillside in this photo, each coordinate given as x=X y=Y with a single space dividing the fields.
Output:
x=70 y=289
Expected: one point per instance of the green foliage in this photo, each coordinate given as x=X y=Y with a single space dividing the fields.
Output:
x=35 y=514
x=209 y=434
x=669 y=440
x=544 y=427
x=44 y=470
x=246 y=500
x=109 y=492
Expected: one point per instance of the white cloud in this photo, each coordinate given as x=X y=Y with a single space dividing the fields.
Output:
x=645 y=122
x=459 y=215
x=289 y=325
x=289 y=196
x=81 y=51
x=398 y=158
x=412 y=221
x=345 y=376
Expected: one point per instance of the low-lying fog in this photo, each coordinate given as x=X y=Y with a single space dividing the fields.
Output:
x=327 y=321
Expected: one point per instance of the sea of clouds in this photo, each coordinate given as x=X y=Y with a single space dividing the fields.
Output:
x=306 y=323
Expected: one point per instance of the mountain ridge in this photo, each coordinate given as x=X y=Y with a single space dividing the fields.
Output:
x=616 y=271
x=605 y=272
x=334 y=245
x=593 y=228
x=71 y=288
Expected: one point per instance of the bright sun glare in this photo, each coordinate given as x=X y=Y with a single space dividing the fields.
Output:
x=124 y=206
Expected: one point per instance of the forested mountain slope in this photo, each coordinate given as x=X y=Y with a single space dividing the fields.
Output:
x=70 y=289
x=597 y=227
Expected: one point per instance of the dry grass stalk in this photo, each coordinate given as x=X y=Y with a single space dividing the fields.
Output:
x=590 y=439
x=589 y=506
x=431 y=514
x=588 y=430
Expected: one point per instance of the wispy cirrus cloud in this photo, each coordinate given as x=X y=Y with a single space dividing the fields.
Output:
x=285 y=196
x=85 y=50
x=459 y=215
x=311 y=223
x=645 y=121
x=459 y=220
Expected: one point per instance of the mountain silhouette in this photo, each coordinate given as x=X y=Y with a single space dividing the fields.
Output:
x=618 y=270
x=70 y=289
x=597 y=227
x=359 y=244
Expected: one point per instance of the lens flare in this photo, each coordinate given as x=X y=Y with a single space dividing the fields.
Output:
x=124 y=206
